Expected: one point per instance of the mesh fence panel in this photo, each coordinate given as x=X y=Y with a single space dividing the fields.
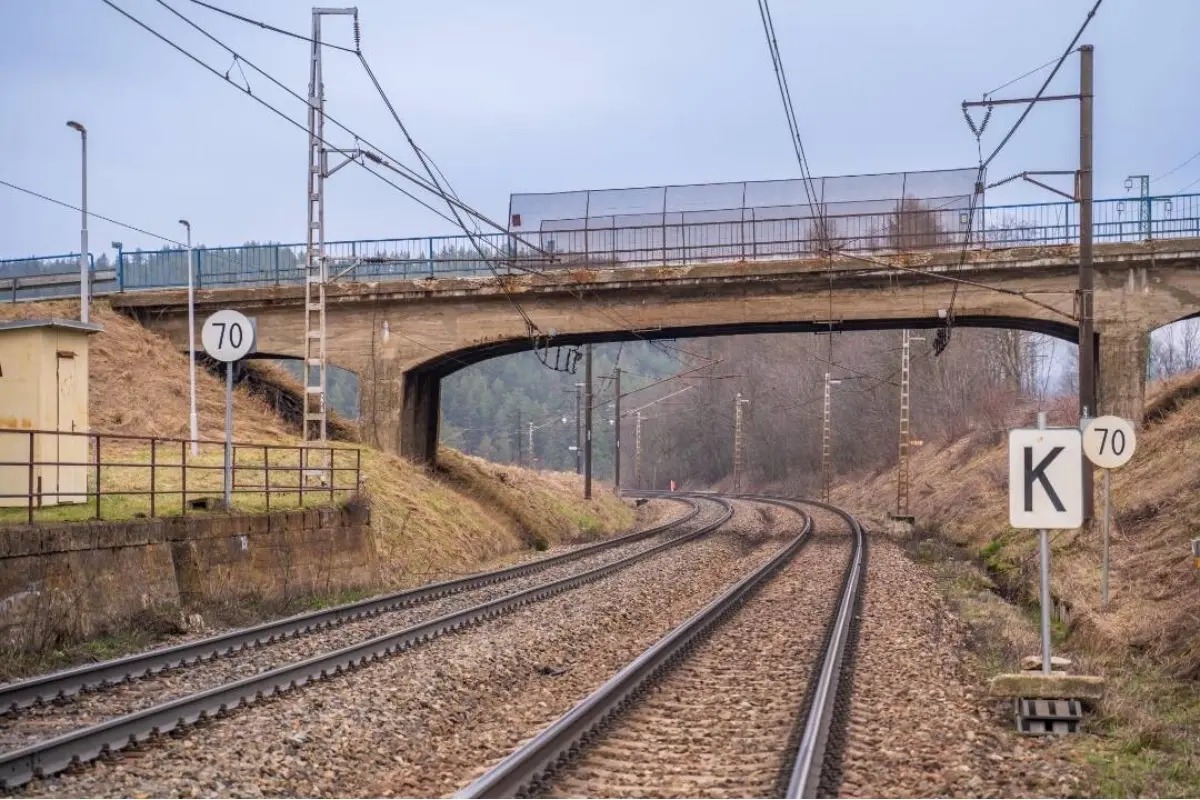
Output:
x=846 y=194
x=677 y=224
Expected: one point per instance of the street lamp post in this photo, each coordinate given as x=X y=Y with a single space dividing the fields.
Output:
x=84 y=288
x=193 y=419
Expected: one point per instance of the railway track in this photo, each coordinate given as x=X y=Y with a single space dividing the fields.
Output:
x=742 y=699
x=50 y=749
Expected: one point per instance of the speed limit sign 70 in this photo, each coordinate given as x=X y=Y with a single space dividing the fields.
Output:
x=1109 y=441
x=227 y=335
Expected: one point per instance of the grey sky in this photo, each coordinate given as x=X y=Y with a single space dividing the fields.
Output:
x=534 y=95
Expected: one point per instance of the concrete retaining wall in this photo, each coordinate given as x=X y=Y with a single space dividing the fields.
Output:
x=75 y=580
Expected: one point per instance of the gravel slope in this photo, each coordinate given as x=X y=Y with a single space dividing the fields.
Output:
x=920 y=723
x=426 y=722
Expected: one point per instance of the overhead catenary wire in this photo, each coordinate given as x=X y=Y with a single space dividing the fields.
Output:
x=92 y=214
x=448 y=194
x=1178 y=167
x=1002 y=86
x=406 y=172
x=942 y=339
x=1190 y=185
x=109 y=220
x=269 y=27
x=816 y=206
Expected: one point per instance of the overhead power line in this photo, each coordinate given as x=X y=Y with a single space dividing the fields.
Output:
x=1190 y=185
x=942 y=338
x=1002 y=86
x=816 y=205
x=1178 y=167
x=383 y=157
x=269 y=27
x=93 y=214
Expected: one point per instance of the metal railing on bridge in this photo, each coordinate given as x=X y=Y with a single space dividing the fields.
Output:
x=689 y=238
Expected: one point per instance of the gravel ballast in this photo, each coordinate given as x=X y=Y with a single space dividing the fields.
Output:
x=428 y=721
x=53 y=719
x=718 y=724
x=920 y=724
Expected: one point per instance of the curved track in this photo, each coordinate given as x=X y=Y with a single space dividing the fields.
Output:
x=65 y=684
x=50 y=755
x=743 y=699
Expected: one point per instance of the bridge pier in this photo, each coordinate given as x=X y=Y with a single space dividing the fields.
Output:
x=420 y=414
x=1124 y=353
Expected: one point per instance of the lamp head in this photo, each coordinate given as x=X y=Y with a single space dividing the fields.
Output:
x=77 y=126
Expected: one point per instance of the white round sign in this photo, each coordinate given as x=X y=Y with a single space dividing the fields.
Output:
x=1109 y=441
x=227 y=335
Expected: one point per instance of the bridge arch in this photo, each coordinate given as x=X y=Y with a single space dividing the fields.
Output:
x=420 y=414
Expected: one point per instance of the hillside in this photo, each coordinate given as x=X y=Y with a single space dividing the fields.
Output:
x=426 y=524
x=1148 y=643
x=961 y=490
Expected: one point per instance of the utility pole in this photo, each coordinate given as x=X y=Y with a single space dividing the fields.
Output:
x=1085 y=300
x=532 y=457
x=193 y=419
x=316 y=267
x=617 y=431
x=905 y=406
x=826 y=435
x=578 y=430
x=520 y=455
x=1087 y=339
x=737 y=441
x=84 y=283
x=587 y=424
x=637 y=452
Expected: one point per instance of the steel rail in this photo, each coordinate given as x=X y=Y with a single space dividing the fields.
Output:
x=86 y=744
x=67 y=683
x=528 y=763
x=810 y=759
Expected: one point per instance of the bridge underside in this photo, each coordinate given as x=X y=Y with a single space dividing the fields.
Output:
x=403 y=337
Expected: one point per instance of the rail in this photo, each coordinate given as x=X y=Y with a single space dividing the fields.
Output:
x=110 y=736
x=71 y=475
x=68 y=683
x=530 y=762
x=685 y=238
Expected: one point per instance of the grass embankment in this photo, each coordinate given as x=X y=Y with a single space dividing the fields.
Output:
x=1147 y=644
x=427 y=523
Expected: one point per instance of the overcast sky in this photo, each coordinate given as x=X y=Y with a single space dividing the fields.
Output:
x=542 y=95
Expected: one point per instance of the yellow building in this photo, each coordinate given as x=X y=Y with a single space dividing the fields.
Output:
x=44 y=388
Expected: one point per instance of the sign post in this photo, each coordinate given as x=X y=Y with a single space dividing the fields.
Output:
x=1045 y=491
x=228 y=336
x=1108 y=442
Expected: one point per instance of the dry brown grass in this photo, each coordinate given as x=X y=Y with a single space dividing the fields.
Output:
x=139 y=382
x=1148 y=642
x=961 y=489
x=427 y=524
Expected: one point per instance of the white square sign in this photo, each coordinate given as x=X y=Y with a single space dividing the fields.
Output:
x=1045 y=478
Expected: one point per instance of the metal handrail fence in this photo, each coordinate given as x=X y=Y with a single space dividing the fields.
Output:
x=51 y=277
x=81 y=475
x=681 y=238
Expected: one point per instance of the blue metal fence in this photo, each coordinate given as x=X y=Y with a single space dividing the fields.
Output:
x=48 y=277
x=910 y=227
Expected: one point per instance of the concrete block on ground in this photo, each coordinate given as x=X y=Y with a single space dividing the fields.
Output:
x=1056 y=663
x=1057 y=685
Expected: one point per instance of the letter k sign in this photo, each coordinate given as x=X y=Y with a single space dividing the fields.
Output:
x=1045 y=478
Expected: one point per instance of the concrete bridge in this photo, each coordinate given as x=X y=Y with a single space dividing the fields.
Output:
x=402 y=337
